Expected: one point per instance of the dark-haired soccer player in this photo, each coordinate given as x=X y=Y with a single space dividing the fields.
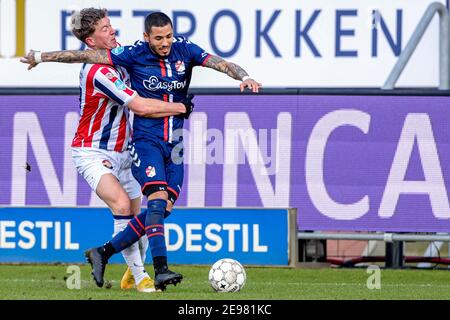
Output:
x=99 y=146
x=160 y=68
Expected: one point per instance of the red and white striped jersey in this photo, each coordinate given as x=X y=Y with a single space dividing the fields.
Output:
x=103 y=108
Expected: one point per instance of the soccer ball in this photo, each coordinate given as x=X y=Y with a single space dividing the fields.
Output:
x=227 y=275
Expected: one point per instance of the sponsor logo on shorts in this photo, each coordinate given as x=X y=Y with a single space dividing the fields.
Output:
x=150 y=171
x=107 y=164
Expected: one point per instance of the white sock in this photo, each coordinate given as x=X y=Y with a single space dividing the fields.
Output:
x=132 y=255
x=143 y=246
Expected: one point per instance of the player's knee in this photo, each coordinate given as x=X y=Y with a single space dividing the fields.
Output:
x=121 y=206
x=155 y=191
x=172 y=196
x=158 y=195
x=168 y=208
x=157 y=209
x=157 y=206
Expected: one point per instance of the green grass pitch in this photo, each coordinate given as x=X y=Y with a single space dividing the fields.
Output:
x=48 y=282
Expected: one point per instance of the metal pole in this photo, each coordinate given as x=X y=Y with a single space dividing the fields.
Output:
x=444 y=66
x=386 y=237
x=444 y=49
x=394 y=255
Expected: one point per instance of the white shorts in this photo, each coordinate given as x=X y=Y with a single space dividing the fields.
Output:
x=93 y=163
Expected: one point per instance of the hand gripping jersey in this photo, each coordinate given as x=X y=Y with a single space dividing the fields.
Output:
x=104 y=117
x=165 y=79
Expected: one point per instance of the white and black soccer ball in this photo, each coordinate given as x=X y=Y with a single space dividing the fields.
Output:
x=227 y=275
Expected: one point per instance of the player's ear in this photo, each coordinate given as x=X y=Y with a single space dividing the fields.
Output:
x=146 y=37
x=90 y=42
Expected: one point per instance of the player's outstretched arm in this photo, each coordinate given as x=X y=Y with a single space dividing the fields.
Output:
x=234 y=71
x=153 y=108
x=33 y=58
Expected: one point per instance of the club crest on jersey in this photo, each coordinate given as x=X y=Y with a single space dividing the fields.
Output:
x=110 y=76
x=180 y=67
x=117 y=51
x=107 y=164
x=150 y=171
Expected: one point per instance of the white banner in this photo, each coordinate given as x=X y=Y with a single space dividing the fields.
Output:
x=304 y=43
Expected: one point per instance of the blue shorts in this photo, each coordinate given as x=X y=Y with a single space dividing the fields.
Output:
x=158 y=166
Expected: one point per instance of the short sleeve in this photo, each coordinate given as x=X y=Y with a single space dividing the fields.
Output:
x=198 y=55
x=122 y=56
x=107 y=81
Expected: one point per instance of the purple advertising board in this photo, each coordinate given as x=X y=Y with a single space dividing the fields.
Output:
x=353 y=163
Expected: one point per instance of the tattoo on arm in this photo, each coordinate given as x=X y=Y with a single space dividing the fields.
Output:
x=231 y=69
x=77 y=56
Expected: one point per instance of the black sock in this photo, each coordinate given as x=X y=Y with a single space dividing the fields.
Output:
x=107 y=250
x=160 y=264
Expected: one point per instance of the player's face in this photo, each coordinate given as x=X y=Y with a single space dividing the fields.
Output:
x=104 y=36
x=160 y=40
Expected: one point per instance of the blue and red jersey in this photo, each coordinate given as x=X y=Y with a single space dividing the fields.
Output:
x=160 y=78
